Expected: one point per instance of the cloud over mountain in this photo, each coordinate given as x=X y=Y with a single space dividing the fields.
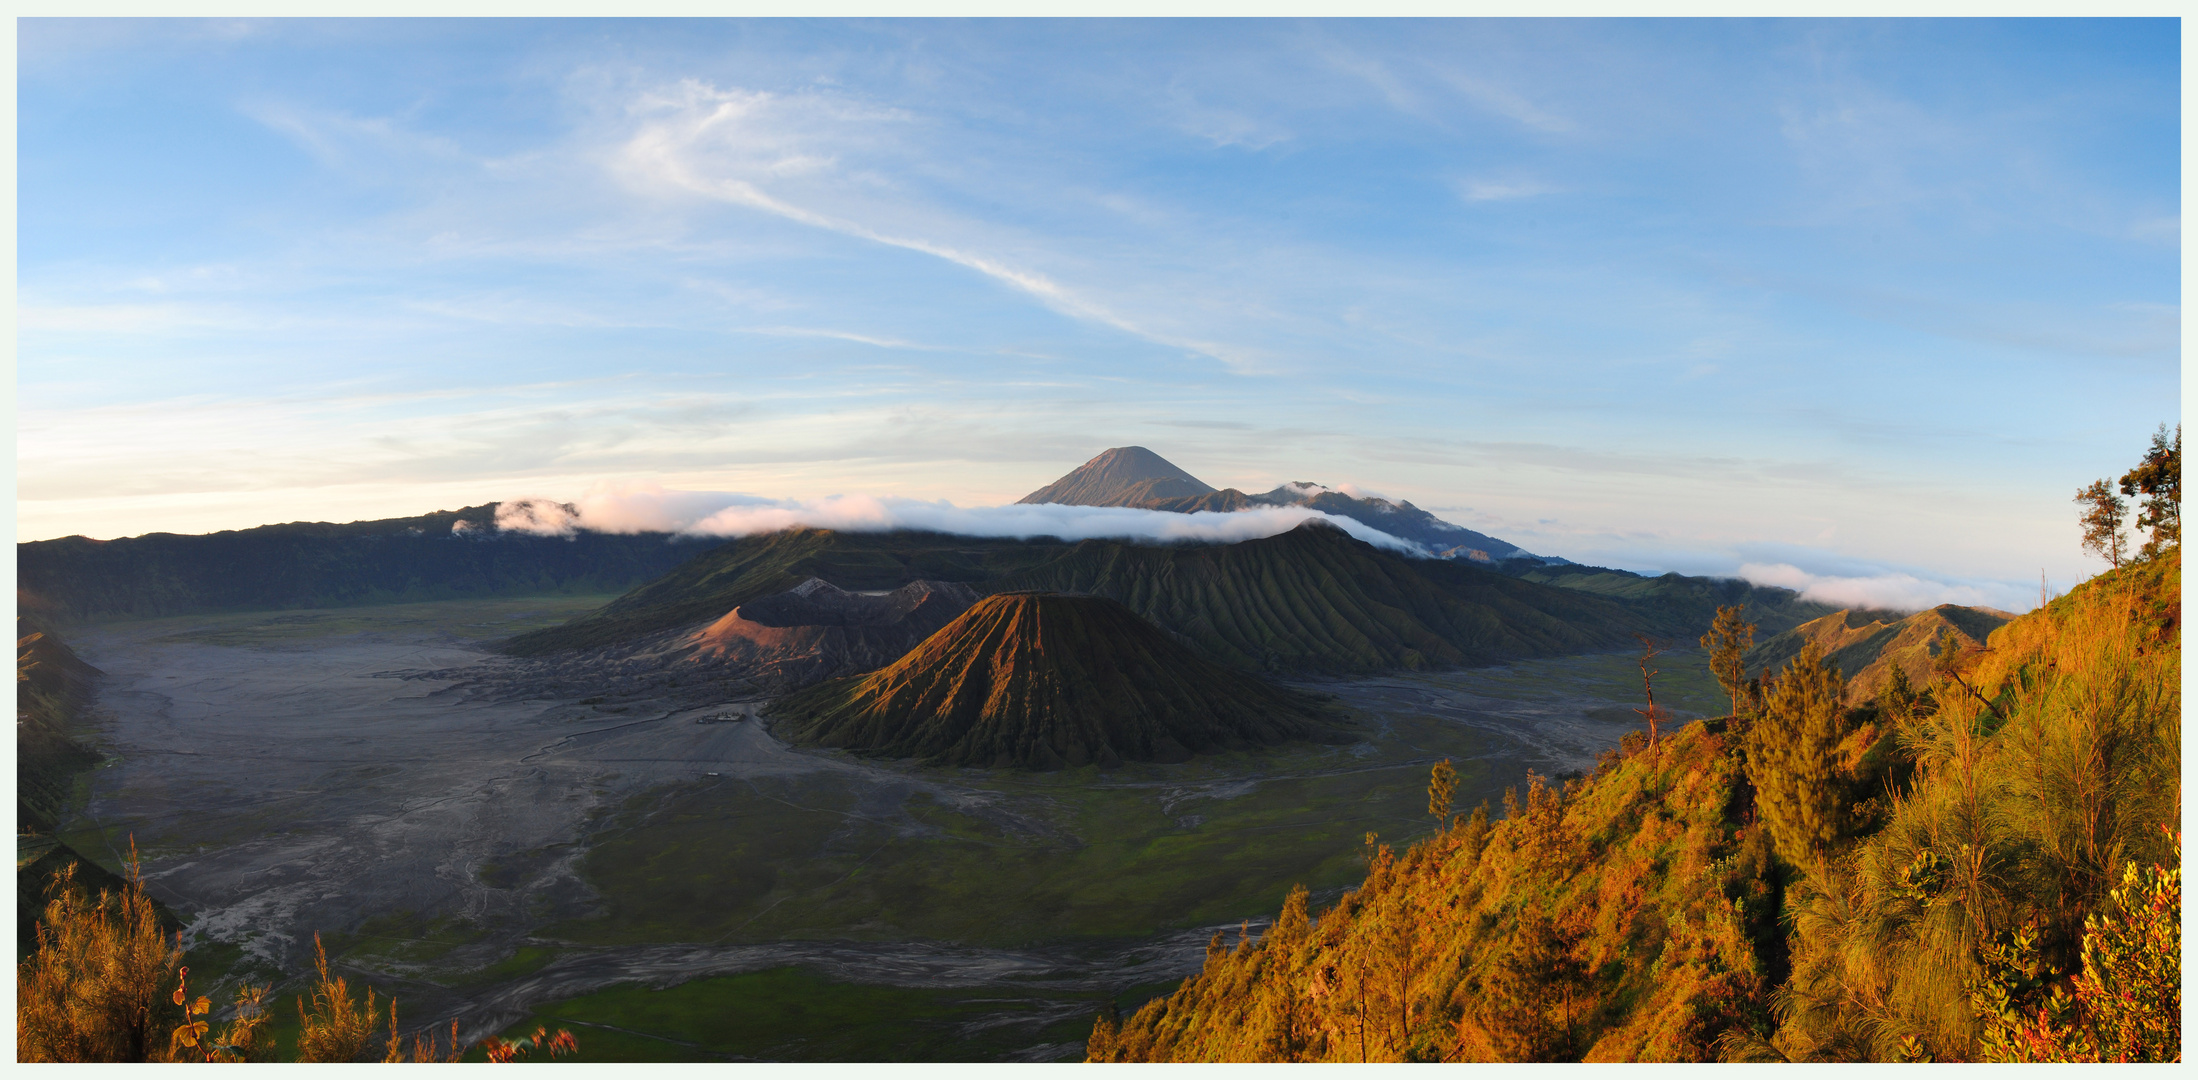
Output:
x=1889 y=591
x=647 y=507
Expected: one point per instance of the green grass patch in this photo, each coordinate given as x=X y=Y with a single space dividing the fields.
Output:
x=1006 y=858
x=400 y=937
x=795 y=1014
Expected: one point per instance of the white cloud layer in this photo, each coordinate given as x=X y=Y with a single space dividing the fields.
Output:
x=647 y=507
x=1890 y=591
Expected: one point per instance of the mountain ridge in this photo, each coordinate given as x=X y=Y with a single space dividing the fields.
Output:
x=448 y=554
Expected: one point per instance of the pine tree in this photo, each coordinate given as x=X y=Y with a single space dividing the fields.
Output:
x=1442 y=792
x=2159 y=478
x=1728 y=639
x=2101 y=519
x=1790 y=759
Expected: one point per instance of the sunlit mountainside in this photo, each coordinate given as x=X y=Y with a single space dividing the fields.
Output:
x=1902 y=877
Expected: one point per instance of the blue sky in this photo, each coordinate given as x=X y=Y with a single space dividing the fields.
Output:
x=1856 y=299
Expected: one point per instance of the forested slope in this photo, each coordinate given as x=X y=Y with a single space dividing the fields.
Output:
x=1980 y=869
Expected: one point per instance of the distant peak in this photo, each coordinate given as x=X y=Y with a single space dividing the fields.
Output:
x=1122 y=476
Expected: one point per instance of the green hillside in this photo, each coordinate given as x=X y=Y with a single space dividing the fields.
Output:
x=1315 y=600
x=1033 y=680
x=1679 y=599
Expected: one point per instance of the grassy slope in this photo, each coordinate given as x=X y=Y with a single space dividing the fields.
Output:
x=317 y=564
x=1034 y=680
x=1865 y=646
x=1652 y=878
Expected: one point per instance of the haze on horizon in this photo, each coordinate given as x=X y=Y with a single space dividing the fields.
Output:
x=1865 y=300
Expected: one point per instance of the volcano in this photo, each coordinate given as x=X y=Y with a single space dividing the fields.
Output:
x=1047 y=681
x=1123 y=476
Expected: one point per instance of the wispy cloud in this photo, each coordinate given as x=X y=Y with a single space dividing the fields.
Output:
x=728 y=145
x=1489 y=190
x=1504 y=102
x=843 y=335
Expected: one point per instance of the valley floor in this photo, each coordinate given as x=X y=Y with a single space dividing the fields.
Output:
x=639 y=869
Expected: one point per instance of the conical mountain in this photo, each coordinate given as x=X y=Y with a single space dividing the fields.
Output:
x=1123 y=476
x=1042 y=680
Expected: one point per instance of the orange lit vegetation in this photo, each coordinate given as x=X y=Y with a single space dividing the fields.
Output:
x=93 y=991
x=1977 y=869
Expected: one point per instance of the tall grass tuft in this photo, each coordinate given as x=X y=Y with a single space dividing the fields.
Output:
x=95 y=989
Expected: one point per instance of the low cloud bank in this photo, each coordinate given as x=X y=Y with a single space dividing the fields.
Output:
x=632 y=508
x=1891 y=591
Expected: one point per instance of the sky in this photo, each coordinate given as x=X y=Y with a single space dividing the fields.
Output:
x=1852 y=305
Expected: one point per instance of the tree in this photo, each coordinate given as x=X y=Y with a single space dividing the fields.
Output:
x=2102 y=521
x=1529 y=1001
x=1649 y=652
x=1790 y=759
x=1442 y=792
x=1729 y=639
x=2159 y=478
x=2124 y=1005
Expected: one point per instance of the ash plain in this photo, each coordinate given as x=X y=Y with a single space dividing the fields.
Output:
x=288 y=773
